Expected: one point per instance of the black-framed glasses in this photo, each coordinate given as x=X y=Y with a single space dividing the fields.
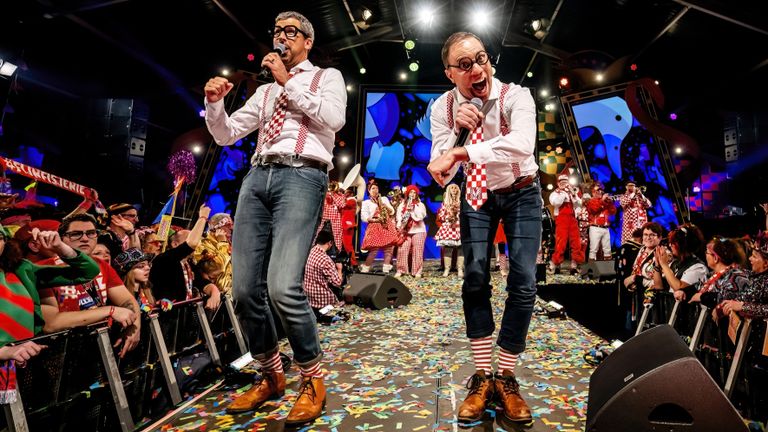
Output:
x=466 y=63
x=77 y=235
x=291 y=31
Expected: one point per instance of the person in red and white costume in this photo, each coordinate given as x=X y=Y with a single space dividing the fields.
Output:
x=349 y=223
x=448 y=236
x=380 y=233
x=635 y=206
x=332 y=207
x=566 y=201
x=410 y=221
x=600 y=208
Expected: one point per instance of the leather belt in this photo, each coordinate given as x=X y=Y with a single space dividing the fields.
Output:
x=291 y=160
x=517 y=185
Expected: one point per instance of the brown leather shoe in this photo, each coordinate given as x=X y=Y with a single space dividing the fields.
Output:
x=481 y=391
x=508 y=396
x=271 y=386
x=310 y=402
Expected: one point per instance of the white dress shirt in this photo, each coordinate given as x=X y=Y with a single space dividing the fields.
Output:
x=496 y=151
x=325 y=110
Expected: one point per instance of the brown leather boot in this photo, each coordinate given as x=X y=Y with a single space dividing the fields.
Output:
x=508 y=396
x=310 y=402
x=271 y=386
x=481 y=391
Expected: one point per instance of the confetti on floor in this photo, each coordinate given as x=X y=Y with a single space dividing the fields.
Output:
x=406 y=369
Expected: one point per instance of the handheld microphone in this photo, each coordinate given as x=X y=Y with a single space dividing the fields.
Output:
x=277 y=48
x=464 y=132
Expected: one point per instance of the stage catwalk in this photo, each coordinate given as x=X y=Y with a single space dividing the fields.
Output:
x=405 y=369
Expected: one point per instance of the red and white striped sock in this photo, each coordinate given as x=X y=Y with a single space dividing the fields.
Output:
x=272 y=363
x=507 y=361
x=481 y=353
x=313 y=371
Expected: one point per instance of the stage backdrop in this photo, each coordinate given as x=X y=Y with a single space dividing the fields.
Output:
x=616 y=148
x=395 y=143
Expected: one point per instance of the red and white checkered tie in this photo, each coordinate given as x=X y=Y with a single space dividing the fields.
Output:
x=477 y=179
x=277 y=121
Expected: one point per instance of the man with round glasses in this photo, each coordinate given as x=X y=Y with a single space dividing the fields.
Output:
x=105 y=297
x=279 y=206
x=501 y=184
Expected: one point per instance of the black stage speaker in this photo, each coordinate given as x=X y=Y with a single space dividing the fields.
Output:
x=598 y=270
x=376 y=291
x=654 y=383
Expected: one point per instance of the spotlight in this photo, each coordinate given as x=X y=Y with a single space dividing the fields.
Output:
x=250 y=57
x=7 y=69
x=544 y=93
x=672 y=116
x=367 y=14
x=539 y=28
x=633 y=67
x=225 y=72
x=529 y=74
x=564 y=82
x=349 y=87
x=573 y=180
x=196 y=149
x=403 y=76
x=345 y=159
x=549 y=107
x=480 y=18
x=678 y=150
x=696 y=189
x=426 y=15
x=656 y=82
x=410 y=44
x=201 y=113
x=362 y=71
x=414 y=66
x=599 y=77
x=550 y=187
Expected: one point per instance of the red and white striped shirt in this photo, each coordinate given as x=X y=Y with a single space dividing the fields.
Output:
x=318 y=273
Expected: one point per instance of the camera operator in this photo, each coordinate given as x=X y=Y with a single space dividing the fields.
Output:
x=320 y=274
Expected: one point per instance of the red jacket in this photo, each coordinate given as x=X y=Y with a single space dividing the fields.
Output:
x=600 y=211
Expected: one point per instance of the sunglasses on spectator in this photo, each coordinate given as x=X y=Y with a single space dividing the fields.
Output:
x=77 y=235
x=650 y=235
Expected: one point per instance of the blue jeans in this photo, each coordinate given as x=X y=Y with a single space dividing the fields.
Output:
x=520 y=212
x=278 y=212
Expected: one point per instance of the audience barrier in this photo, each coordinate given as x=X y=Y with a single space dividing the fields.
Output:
x=79 y=382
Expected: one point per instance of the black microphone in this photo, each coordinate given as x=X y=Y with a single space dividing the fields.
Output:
x=278 y=48
x=464 y=132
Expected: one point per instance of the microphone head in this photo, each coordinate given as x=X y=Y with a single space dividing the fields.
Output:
x=278 y=48
x=477 y=102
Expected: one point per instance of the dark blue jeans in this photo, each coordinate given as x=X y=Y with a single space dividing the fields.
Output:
x=520 y=212
x=278 y=212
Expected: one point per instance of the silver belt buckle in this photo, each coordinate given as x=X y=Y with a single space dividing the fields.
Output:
x=294 y=161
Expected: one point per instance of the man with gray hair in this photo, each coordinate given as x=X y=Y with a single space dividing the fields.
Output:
x=279 y=206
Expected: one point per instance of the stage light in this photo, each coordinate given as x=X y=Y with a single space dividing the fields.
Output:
x=345 y=159
x=633 y=67
x=196 y=149
x=403 y=76
x=564 y=82
x=529 y=74
x=672 y=116
x=696 y=189
x=413 y=66
x=7 y=69
x=250 y=57
x=544 y=93
x=480 y=18
x=599 y=77
x=573 y=180
x=201 y=113
x=426 y=15
x=367 y=14
x=362 y=71
x=225 y=72
x=656 y=82
x=550 y=107
x=539 y=28
x=678 y=150
x=550 y=187
x=349 y=87
x=409 y=44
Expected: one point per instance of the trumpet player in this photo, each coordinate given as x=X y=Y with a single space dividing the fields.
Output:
x=566 y=201
x=600 y=208
x=634 y=205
